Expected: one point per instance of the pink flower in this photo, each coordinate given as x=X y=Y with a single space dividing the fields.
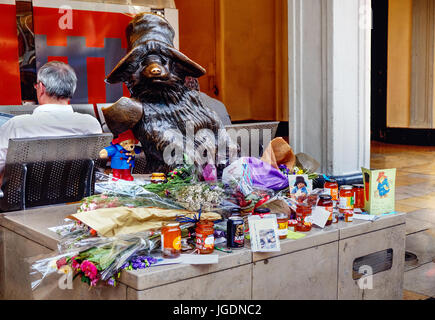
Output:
x=75 y=264
x=104 y=196
x=61 y=262
x=94 y=282
x=113 y=204
x=89 y=269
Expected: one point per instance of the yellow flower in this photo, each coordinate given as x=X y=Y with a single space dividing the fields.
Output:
x=300 y=171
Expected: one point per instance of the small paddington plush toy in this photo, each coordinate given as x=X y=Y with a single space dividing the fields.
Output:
x=122 y=153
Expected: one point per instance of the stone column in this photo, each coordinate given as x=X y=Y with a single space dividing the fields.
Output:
x=329 y=84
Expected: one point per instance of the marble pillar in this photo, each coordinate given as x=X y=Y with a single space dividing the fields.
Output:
x=329 y=85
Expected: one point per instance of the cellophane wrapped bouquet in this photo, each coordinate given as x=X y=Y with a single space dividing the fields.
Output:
x=97 y=259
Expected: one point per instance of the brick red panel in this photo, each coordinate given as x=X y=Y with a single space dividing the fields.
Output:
x=96 y=84
x=10 y=85
x=61 y=59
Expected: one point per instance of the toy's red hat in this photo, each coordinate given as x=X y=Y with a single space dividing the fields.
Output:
x=381 y=174
x=126 y=135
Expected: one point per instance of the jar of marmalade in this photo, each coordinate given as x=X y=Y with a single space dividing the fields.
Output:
x=261 y=211
x=302 y=211
x=325 y=201
x=205 y=237
x=158 y=178
x=346 y=198
x=358 y=191
x=312 y=200
x=282 y=220
x=171 y=240
x=348 y=215
x=331 y=188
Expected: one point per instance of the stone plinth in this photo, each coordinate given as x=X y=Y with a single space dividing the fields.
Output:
x=318 y=266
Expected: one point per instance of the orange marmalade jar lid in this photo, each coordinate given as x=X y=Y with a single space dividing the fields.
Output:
x=346 y=188
x=158 y=174
x=281 y=216
x=358 y=186
x=170 y=224
x=205 y=223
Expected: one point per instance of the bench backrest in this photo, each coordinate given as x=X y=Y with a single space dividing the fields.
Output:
x=263 y=131
x=50 y=170
x=28 y=109
x=100 y=106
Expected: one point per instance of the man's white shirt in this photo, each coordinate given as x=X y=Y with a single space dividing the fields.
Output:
x=48 y=120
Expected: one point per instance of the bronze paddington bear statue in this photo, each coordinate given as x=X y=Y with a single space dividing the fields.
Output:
x=154 y=72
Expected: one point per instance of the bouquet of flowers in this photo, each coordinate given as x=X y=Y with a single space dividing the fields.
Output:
x=99 y=201
x=193 y=197
x=146 y=199
x=297 y=171
x=182 y=176
x=99 y=259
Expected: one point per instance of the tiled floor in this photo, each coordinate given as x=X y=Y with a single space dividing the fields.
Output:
x=415 y=195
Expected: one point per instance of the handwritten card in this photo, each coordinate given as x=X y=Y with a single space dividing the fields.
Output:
x=319 y=216
x=264 y=233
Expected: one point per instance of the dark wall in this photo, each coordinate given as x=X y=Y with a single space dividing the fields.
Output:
x=379 y=70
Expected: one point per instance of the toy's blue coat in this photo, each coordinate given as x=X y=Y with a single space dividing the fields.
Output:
x=304 y=190
x=119 y=158
x=382 y=188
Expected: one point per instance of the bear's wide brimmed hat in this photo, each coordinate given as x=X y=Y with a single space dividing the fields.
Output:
x=300 y=180
x=145 y=31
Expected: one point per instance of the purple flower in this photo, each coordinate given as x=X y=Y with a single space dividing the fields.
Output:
x=151 y=260
x=139 y=262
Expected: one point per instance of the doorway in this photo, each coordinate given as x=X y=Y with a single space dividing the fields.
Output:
x=243 y=45
x=379 y=70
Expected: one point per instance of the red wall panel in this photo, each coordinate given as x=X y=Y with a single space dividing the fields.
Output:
x=10 y=87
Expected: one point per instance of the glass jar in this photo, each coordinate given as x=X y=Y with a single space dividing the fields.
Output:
x=348 y=215
x=158 y=178
x=346 y=198
x=331 y=188
x=302 y=211
x=235 y=212
x=301 y=198
x=335 y=215
x=313 y=199
x=292 y=224
x=205 y=237
x=261 y=211
x=171 y=240
x=358 y=191
x=282 y=220
x=325 y=201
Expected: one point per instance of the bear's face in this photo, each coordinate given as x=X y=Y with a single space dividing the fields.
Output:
x=155 y=68
x=128 y=145
x=157 y=77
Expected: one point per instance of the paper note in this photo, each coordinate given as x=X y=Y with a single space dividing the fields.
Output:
x=295 y=235
x=188 y=259
x=162 y=261
x=319 y=216
x=264 y=233
x=199 y=258
x=366 y=217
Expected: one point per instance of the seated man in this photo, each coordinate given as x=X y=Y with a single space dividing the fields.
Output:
x=55 y=86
